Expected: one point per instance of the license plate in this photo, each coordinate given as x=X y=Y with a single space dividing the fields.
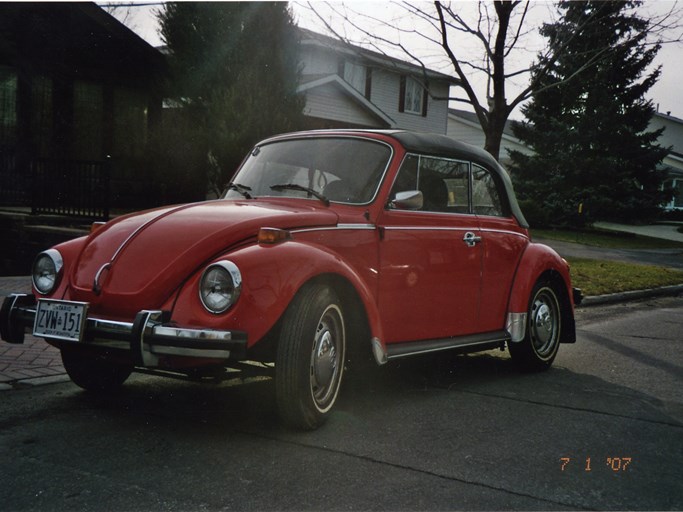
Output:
x=60 y=319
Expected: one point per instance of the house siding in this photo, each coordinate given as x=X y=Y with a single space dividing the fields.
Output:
x=385 y=94
x=467 y=132
x=317 y=61
x=329 y=102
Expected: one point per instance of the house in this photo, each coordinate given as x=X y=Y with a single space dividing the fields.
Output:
x=76 y=86
x=464 y=126
x=673 y=162
x=350 y=87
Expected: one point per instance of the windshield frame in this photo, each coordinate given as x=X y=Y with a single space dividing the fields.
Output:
x=255 y=151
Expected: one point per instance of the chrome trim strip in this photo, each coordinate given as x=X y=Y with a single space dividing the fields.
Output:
x=177 y=332
x=162 y=350
x=504 y=231
x=516 y=326
x=429 y=228
x=338 y=227
x=149 y=223
x=356 y=226
x=399 y=350
x=379 y=351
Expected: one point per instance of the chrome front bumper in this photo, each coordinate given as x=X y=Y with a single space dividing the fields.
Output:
x=148 y=337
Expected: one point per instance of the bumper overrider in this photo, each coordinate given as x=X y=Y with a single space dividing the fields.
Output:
x=148 y=338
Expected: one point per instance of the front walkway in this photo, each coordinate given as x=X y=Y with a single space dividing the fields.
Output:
x=664 y=231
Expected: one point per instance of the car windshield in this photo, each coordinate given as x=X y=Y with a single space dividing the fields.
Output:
x=340 y=169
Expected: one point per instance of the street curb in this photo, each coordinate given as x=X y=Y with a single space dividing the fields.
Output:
x=615 y=298
x=34 y=381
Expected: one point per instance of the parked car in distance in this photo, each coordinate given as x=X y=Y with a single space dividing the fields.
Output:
x=325 y=244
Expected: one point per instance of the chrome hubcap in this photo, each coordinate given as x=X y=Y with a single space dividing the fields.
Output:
x=327 y=357
x=544 y=322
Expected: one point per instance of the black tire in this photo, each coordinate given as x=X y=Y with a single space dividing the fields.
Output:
x=537 y=351
x=94 y=373
x=310 y=358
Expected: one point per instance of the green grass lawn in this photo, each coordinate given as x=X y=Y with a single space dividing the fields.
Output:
x=607 y=239
x=598 y=277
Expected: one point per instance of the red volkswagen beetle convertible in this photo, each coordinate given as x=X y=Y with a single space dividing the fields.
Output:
x=325 y=244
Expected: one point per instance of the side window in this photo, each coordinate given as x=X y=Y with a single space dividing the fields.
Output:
x=443 y=182
x=485 y=194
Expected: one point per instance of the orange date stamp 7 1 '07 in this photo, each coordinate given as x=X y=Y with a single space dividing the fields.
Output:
x=615 y=464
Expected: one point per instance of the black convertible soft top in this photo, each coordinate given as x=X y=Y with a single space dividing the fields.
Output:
x=441 y=145
x=433 y=144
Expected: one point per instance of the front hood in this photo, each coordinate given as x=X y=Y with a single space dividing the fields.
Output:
x=141 y=259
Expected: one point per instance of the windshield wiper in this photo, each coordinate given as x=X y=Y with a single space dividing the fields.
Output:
x=294 y=186
x=242 y=189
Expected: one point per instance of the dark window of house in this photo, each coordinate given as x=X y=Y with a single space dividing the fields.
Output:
x=677 y=185
x=130 y=122
x=412 y=96
x=41 y=115
x=8 y=106
x=88 y=120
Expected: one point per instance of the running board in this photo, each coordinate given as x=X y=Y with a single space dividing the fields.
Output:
x=474 y=342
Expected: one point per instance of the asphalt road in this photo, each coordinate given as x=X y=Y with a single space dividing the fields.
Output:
x=603 y=429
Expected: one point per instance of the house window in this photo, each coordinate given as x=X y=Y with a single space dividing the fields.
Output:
x=358 y=76
x=677 y=202
x=8 y=106
x=88 y=120
x=413 y=97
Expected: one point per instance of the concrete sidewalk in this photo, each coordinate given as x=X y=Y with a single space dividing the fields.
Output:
x=667 y=231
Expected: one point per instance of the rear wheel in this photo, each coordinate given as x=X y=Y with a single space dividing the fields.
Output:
x=310 y=357
x=94 y=373
x=537 y=351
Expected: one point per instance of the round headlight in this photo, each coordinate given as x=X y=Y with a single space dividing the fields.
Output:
x=220 y=286
x=47 y=270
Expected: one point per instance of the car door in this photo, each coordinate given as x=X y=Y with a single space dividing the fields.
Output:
x=430 y=258
x=503 y=242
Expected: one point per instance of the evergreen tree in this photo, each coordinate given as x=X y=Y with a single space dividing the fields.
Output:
x=594 y=157
x=235 y=72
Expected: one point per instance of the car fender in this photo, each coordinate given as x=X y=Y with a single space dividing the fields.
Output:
x=69 y=251
x=540 y=260
x=271 y=277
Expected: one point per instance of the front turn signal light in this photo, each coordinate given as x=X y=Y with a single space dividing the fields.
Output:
x=272 y=236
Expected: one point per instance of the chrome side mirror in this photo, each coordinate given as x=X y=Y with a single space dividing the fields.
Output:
x=407 y=200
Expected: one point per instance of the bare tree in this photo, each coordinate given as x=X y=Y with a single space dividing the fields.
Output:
x=502 y=30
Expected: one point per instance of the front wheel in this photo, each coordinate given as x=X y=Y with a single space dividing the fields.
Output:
x=310 y=357
x=537 y=351
x=94 y=373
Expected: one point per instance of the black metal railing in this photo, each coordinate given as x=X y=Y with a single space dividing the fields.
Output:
x=70 y=187
x=14 y=186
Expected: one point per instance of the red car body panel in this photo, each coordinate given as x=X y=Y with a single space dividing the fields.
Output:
x=164 y=247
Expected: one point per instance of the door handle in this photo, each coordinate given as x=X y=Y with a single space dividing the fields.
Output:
x=471 y=239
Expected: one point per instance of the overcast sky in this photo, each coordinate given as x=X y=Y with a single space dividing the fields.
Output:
x=666 y=94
